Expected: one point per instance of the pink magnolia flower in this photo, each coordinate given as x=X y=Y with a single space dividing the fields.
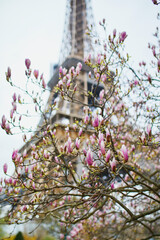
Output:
x=155 y=2
x=27 y=63
x=73 y=233
x=5 y=167
x=43 y=83
x=46 y=154
x=10 y=180
x=89 y=157
x=24 y=208
x=68 y=84
x=60 y=69
x=14 y=154
x=149 y=130
x=14 y=97
x=113 y=165
x=102 y=146
x=79 y=65
x=100 y=137
x=8 y=73
x=99 y=59
x=77 y=71
x=143 y=138
x=33 y=185
x=99 y=154
x=3 y=124
x=112 y=185
x=101 y=94
x=7 y=128
x=136 y=82
x=114 y=33
x=86 y=119
x=95 y=122
x=61 y=236
x=11 y=113
x=108 y=135
x=14 y=106
x=64 y=71
x=60 y=84
x=104 y=77
x=80 y=132
x=69 y=145
x=36 y=73
x=108 y=155
x=92 y=140
x=124 y=153
x=122 y=36
x=77 y=143
x=25 y=153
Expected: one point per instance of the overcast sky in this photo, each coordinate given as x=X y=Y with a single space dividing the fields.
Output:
x=33 y=29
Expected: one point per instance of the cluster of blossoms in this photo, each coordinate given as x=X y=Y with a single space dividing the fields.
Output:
x=108 y=143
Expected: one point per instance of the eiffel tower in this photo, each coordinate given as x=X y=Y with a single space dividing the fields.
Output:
x=75 y=45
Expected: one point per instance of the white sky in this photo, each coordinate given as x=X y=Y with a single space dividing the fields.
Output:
x=33 y=29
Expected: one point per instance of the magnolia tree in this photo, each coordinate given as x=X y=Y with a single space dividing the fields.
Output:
x=116 y=144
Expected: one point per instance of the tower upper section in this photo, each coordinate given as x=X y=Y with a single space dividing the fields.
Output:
x=75 y=40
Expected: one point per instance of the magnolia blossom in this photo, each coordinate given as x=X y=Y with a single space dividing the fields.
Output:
x=95 y=122
x=114 y=33
x=68 y=83
x=124 y=153
x=108 y=155
x=69 y=145
x=103 y=78
x=112 y=185
x=122 y=36
x=89 y=157
x=27 y=63
x=7 y=128
x=108 y=135
x=46 y=154
x=92 y=139
x=61 y=236
x=60 y=69
x=36 y=73
x=14 y=97
x=99 y=59
x=102 y=146
x=33 y=185
x=5 y=167
x=101 y=94
x=77 y=143
x=14 y=154
x=149 y=130
x=100 y=137
x=3 y=124
x=113 y=165
x=143 y=137
x=155 y=2
x=8 y=73
x=43 y=83
x=86 y=119
x=80 y=132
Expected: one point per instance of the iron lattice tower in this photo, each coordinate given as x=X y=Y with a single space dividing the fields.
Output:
x=75 y=45
x=76 y=42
